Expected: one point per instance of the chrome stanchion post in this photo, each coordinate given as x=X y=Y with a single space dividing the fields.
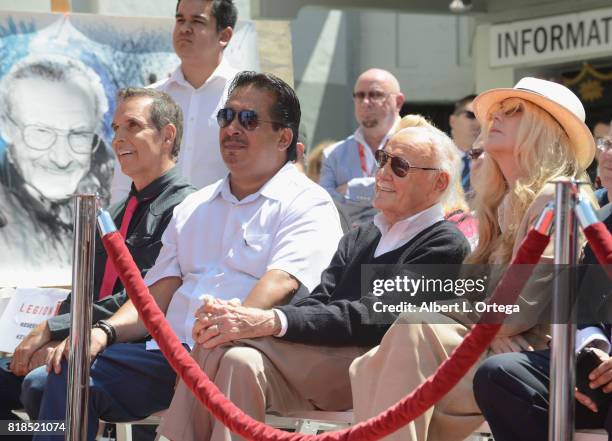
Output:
x=562 y=378
x=80 y=316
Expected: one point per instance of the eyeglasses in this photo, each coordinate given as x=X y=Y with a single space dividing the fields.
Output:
x=373 y=96
x=399 y=166
x=509 y=107
x=247 y=118
x=42 y=138
x=468 y=114
x=474 y=154
x=603 y=143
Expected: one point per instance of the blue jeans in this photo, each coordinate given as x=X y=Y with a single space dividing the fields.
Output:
x=20 y=392
x=126 y=383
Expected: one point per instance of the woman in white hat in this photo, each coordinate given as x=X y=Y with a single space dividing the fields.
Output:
x=534 y=133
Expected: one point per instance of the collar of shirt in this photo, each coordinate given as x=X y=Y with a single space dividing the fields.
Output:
x=406 y=229
x=223 y=71
x=156 y=187
x=275 y=188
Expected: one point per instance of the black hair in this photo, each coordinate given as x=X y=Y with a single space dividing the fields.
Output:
x=461 y=103
x=224 y=11
x=286 y=108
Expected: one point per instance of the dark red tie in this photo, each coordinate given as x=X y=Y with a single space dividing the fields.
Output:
x=110 y=273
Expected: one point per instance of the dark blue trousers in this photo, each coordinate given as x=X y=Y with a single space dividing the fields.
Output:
x=126 y=383
x=512 y=393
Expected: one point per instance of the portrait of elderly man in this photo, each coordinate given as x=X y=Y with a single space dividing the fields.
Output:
x=297 y=357
x=51 y=107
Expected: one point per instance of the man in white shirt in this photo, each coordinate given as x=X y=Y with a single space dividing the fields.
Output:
x=202 y=30
x=255 y=236
x=348 y=167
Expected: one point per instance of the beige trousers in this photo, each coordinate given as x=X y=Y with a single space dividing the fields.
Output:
x=411 y=350
x=260 y=375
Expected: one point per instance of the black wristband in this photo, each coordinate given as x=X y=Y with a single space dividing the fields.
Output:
x=108 y=329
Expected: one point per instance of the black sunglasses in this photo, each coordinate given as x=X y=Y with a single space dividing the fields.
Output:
x=247 y=118
x=399 y=166
x=468 y=114
x=475 y=153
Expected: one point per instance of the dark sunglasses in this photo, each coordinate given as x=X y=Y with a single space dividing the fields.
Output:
x=247 y=118
x=399 y=166
x=468 y=114
x=475 y=153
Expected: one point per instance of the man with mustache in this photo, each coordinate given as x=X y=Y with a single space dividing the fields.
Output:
x=254 y=237
x=348 y=167
x=202 y=31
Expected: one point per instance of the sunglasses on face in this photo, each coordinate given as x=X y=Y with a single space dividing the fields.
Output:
x=474 y=154
x=399 y=166
x=374 y=96
x=468 y=114
x=247 y=118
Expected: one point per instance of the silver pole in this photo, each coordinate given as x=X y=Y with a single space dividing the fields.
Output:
x=80 y=316
x=562 y=381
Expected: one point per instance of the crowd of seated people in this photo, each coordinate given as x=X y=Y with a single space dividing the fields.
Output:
x=262 y=281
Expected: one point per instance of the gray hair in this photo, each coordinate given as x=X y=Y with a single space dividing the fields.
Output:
x=54 y=68
x=445 y=153
x=164 y=111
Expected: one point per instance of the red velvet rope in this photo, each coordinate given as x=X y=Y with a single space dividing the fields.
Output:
x=406 y=410
x=600 y=241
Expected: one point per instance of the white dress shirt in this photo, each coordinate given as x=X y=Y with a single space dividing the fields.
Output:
x=391 y=238
x=199 y=158
x=222 y=246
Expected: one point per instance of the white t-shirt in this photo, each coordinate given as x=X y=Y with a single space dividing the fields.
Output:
x=221 y=246
x=200 y=157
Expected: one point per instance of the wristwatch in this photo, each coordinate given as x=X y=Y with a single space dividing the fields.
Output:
x=108 y=329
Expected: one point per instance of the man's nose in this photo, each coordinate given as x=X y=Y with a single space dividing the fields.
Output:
x=61 y=153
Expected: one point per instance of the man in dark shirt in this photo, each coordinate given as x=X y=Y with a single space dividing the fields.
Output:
x=148 y=128
x=302 y=361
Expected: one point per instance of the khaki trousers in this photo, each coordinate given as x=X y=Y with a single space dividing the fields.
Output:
x=260 y=375
x=411 y=350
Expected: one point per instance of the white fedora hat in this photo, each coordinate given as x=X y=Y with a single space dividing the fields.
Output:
x=560 y=102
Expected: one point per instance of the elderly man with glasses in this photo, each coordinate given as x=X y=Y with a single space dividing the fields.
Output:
x=51 y=109
x=254 y=237
x=297 y=357
x=348 y=167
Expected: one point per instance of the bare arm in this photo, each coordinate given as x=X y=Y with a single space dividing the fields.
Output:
x=128 y=325
x=276 y=287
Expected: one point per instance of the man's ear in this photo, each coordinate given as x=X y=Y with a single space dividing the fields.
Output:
x=442 y=182
x=399 y=101
x=168 y=133
x=7 y=129
x=225 y=36
x=286 y=137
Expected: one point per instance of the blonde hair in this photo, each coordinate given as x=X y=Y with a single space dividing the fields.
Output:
x=542 y=153
x=454 y=198
x=315 y=159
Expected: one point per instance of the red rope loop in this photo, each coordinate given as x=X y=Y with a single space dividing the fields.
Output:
x=400 y=414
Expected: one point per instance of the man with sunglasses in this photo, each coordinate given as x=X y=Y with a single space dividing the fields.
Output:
x=464 y=131
x=348 y=167
x=52 y=106
x=254 y=237
x=202 y=31
x=297 y=357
